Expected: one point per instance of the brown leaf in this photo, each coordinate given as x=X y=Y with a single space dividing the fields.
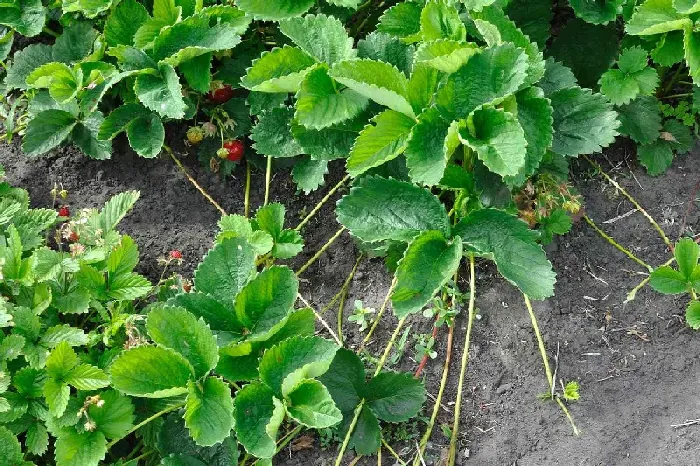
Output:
x=304 y=442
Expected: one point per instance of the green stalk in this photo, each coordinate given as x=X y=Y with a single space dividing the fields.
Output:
x=545 y=362
x=320 y=204
x=633 y=293
x=620 y=248
x=144 y=422
x=268 y=174
x=192 y=180
x=379 y=314
x=320 y=252
x=246 y=210
x=343 y=296
x=393 y=453
x=452 y=456
x=345 y=286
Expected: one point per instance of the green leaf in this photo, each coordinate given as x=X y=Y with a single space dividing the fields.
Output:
x=123 y=22
x=116 y=209
x=61 y=360
x=687 y=253
x=394 y=396
x=47 y=130
x=161 y=92
x=80 y=449
x=128 y=287
x=596 y=12
x=6 y=41
x=197 y=72
x=322 y=37
x=428 y=148
x=633 y=77
x=618 y=88
x=513 y=247
x=279 y=70
x=258 y=416
x=273 y=134
x=151 y=372
x=692 y=53
x=308 y=174
x=402 y=20
x=75 y=43
x=120 y=119
x=146 y=135
x=376 y=80
x=208 y=411
x=440 y=20
x=383 y=47
x=428 y=263
x=63 y=333
x=63 y=84
x=677 y=136
x=274 y=11
x=379 y=143
x=191 y=38
x=286 y=364
x=225 y=270
x=640 y=119
x=27 y=17
x=584 y=122
x=311 y=405
x=10 y=449
x=686 y=7
x=179 y=330
x=115 y=417
x=56 y=394
x=167 y=10
x=24 y=62
x=366 y=439
x=37 y=440
x=533 y=17
x=87 y=377
x=84 y=136
x=422 y=86
x=379 y=209
x=668 y=281
x=587 y=49
x=558 y=222
x=345 y=380
x=89 y=8
x=692 y=315
x=217 y=315
x=321 y=104
x=487 y=77
x=264 y=303
x=556 y=77
x=11 y=347
x=669 y=49
x=497 y=138
x=656 y=157
x=445 y=55
x=656 y=17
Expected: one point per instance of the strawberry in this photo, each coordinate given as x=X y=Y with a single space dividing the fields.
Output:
x=175 y=254
x=195 y=135
x=64 y=212
x=235 y=150
x=73 y=237
x=221 y=94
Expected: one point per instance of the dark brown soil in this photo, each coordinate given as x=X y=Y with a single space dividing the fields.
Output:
x=637 y=363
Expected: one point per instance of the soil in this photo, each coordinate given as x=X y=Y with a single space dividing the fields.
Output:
x=637 y=363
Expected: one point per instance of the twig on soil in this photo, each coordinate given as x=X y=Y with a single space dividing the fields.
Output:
x=690 y=422
x=632 y=200
x=320 y=319
x=620 y=217
x=192 y=180
x=452 y=456
x=320 y=204
x=320 y=252
x=615 y=244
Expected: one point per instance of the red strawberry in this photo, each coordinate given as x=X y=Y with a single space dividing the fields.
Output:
x=221 y=94
x=64 y=212
x=235 y=150
x=73 y=237
x=175 y=254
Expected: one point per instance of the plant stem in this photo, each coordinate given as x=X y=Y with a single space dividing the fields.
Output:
x=675 y=96
x=632 y=200
x=343 y=296
x=144 y=422
x=346 y=285
x=622 y=249
x=452 y=456
x=320 y=252
x=545 y=362
x=283 y=443
x=389 y=345
x=379 y=314
x=348 y=435
x=192 y=180
x=320 y=204
x=320 y=319
x=438 y=398
x=49 y=31
x=424 y=359
x=633 y=293
x=393 y=453
x=246 y=201
x=268 y=174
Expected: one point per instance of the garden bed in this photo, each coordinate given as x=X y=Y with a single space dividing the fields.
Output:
x=636 y=362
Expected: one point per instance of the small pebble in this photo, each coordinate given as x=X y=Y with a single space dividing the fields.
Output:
x=504 y=388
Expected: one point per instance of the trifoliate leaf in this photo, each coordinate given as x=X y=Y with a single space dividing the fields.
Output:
x=115 y=416
x=120 y=119
x=389 y=49
x=310 y=404
x=640 y=119
x=376 y=80
x=668 y=281
x=47 y=130
x=583 y=122
x=558 y=222
x=24 y=62
x=308 y=174
x=587 y=49
x=379 y=209
x=513 y=247
x=323 y=37
x=321 y=104
x=274 y=11
x=428 y=263
x=497 y=138
x=208 y=411
x=402 y=20
x=266 y=301
x=656 y=17
x=161 y=92
x=445 y=55
x=379 y=142
x=427 y=149
x=533 y=17
x=280 y=70
x=345 y=380
x=286 y=364
x=225 y=270
x=692 y=315
x=394 y=396
x=80 y=448
x=596 y=12
x=669 y=49
x=151 y=372
x=61 y=81
x=632 y=77
x=124 y=21
x=27 y=17
x=656 y=157
x=179 y=330
x=258 y=416
x=273 y=134
x=61 y=360
x=487 y=77
x=440 y=20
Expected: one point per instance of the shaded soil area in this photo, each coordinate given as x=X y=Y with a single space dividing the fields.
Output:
x=637 y=363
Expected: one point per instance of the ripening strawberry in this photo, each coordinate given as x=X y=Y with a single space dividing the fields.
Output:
x=73 y=236
x=175 y=254
x=195 y=135
x=235 y=150
x=221 y=94
x=64 y=212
